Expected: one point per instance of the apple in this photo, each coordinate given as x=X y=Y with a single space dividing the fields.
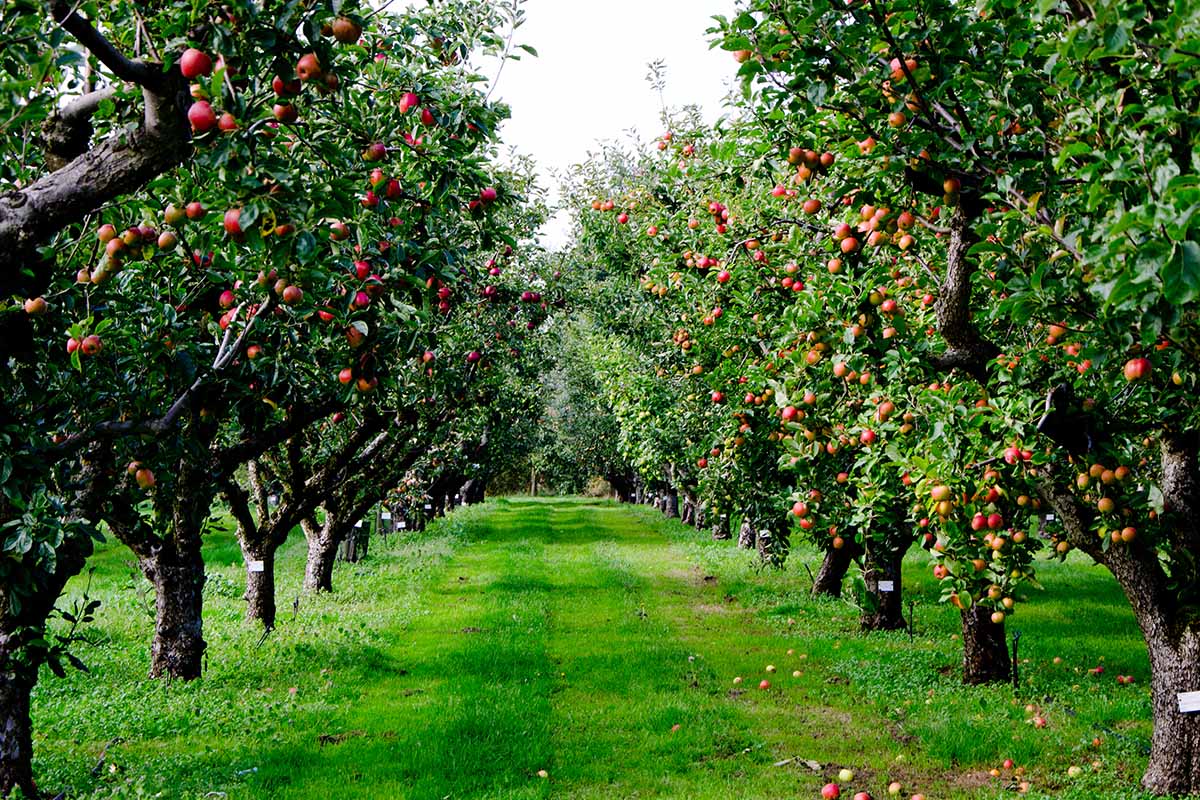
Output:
x=308 y=67
x=487 y=195
x=72 y=345
x=195 y=210
x=893 y=788
x=145 y=478
x=91 y=345
x=831 y=791
x=338 y=231
x=428 y=356
x=202 y=117
x=764 y=684
x=365 y=384
x=227 y=299
x=284 y=88
x=427 y=118
x=167 y=240
x=346 y=375
x=845 y=775
x=1074 y=771
x=194 y=63
x=292 y=295
x=1137 y=368
x=409 y=101
x=253 y=352
x=771 y=668
x=346 y=30
x=862 y=796
x=232 y=222
x=35 y=306
x=285 y=113
x=541 y=773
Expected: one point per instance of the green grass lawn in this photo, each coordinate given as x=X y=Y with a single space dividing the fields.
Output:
x=599 y=643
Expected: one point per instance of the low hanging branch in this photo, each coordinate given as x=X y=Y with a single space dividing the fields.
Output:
x=86 y=179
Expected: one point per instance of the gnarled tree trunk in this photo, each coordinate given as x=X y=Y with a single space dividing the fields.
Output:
x=16 y=727
x=322 y=550
x=720 y=527
x=828 y=582
x=177 y=650
x=260 y=585
x=747 y=537
x=985 y=650
x=883 y=609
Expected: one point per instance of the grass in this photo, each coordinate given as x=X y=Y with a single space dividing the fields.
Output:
x=572 y=636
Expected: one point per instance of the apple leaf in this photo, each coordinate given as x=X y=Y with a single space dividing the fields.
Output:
x=1181 y=276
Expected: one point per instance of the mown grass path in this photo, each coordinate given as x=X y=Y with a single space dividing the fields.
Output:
x=599 y=643
x=566 y=637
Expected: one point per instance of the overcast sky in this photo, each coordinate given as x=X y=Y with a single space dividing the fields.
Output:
x=588 y=82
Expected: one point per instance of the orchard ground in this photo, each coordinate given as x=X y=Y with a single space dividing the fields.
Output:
x=599 y=643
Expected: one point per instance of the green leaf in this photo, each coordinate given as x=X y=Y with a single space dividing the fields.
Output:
x=1181 y=276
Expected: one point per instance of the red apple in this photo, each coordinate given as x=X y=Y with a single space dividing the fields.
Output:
x=409 y=101
x=232 y=222
x=194 y=63
x=831 y=791
x=1137 y=368
x=292 y=295
x=91 y=345
x=308 y=67
x=144 y=478
x=201 y=116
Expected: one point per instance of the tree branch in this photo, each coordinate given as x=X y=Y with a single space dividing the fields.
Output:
x=149 y=76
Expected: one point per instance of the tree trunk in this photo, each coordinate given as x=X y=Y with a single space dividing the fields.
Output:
x=720 y=527
x=883 y=609
x=16 y=730
x=1174 y=766
x=747 y=538
x=178 y=647
x=322 y=549
x=688 y=511
x=260 y=584
x=671 y=504
x=985 y=650
x=833 y=569
x=698 y=516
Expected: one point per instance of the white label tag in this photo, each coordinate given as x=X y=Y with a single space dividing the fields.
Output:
x=255 y=566
x=358 y=524
x=428 y=507
x=386 y=515
x=403 y=524
x=1189 y=702
x=1050 y=518
x=887 y=586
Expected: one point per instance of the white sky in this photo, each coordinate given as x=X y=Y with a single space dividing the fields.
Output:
x=589 y=84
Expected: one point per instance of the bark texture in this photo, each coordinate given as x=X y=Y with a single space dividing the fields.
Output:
x=720 y=527
x=884 y=611
x=832 y=573
x=16 y=731
x=177 y=650
x=985 y=650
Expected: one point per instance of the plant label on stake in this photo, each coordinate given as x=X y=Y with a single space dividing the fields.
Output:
x=255 y=566
x=887 y=586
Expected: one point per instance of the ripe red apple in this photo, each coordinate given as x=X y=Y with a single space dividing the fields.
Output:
x=145 y=478
x=346 y=375
x=227 y=299
x=253 y=352
x=167 y=240
x=227 y=123
x=367 y=384
x=831 y=791
x=232 y=222
x=473 y=356
x=284 y=88
x=346 y=30
x=308 y=67
x=292 y=295
x=91 y=345
x=195 y=210
x=35 y=306
x=376 y=151
x=1137 y=368
x=487 y=195
x=428 y=356
x=285 y=113
x=862 y=796
x=338 y=231
x=201 y=116
x=409 y=101
x=764 y=684
x=194 y=63
x=427 y=118
x=718 y=397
